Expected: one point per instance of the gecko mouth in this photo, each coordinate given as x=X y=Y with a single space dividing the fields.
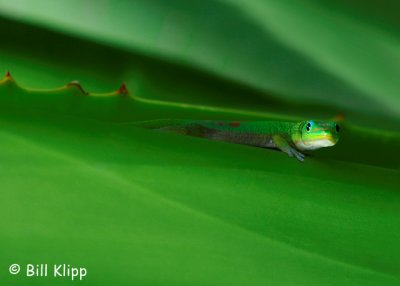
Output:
x=323 y=140
x=318 y=141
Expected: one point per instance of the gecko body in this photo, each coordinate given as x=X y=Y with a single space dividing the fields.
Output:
x=289 y=137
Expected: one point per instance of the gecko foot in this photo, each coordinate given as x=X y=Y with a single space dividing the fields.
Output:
x=293 y=152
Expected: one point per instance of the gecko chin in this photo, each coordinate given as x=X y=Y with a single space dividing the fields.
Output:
x=316 y=144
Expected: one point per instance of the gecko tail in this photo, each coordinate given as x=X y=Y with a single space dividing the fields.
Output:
x=178 y=126
x=178 y=129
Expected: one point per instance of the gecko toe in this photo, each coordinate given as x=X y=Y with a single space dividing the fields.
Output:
x=300 y=156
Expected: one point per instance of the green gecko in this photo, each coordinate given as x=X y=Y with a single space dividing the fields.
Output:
x=289 y=137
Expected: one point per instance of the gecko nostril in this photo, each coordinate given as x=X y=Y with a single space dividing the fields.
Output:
x=337 y=128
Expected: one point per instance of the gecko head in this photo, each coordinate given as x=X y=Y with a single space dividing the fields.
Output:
x=315 y=134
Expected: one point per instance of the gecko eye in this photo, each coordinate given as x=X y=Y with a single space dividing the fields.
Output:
x=337 y=128
x=308 y=127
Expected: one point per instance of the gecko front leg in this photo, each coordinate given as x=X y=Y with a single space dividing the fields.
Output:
x=284 y=146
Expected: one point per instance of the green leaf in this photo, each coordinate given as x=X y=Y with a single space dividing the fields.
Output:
x=80 y=185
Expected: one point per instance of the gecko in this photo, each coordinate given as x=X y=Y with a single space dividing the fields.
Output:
x=293 y=138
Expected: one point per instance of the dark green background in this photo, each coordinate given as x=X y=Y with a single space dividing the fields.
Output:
x=80 y=185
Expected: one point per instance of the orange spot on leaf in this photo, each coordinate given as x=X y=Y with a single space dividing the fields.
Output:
x=123 y=89
x=234 y=124
x=339 y=117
